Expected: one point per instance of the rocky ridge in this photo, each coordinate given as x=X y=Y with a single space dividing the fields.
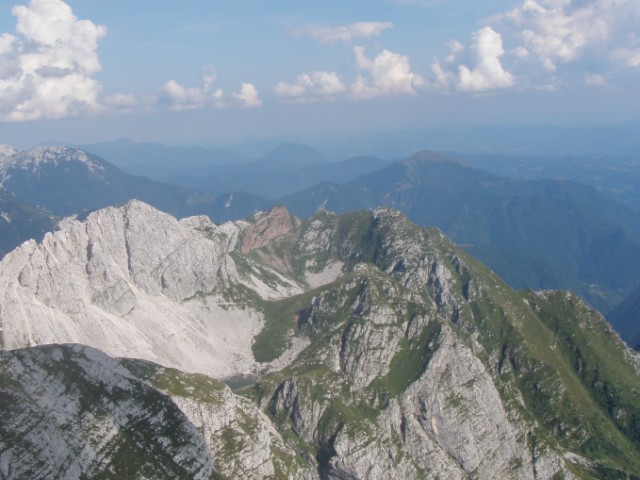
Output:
x=404 y=357
x=77 y=413
x=7 y=151
x=133 y=281
x=32 y=160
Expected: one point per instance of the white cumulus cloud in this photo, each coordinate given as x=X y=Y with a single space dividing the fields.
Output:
x=248 y=96
x=312 y=86
x=476 y=68
x=344 y=33
x=487 y=72
x=46 y=71
x=179 y=98
x=566 y=36
x=549 y=44
x=559 y=31
x=387 y=73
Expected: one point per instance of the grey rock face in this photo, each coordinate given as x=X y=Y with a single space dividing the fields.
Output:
x=72 y=412
x=133 y=281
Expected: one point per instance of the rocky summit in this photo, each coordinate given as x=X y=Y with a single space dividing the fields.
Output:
x=371 y=348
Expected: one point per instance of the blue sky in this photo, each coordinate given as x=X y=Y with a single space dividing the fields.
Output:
x=88 y=70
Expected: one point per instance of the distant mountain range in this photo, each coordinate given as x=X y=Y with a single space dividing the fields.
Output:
x=283 y=170
x=157 y=161
x=611 y=140
x=536 y=234
x=617 y=177
x=68 y=181
x=536 y=140
x=269 y=181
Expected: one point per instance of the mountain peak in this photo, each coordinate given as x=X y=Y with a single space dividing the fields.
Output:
x=7 y=150
x=136 y=205
x=135 y=209
x=292 y=155
x=35 y=158
x=432 y=156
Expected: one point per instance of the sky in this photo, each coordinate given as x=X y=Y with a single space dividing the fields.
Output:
x=194 y=71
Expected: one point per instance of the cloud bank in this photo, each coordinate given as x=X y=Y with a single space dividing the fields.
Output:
x=179 y=98
x=539 y=44
x=310 y=87
x=48 y=67
x=386 y=74
x=564 y=37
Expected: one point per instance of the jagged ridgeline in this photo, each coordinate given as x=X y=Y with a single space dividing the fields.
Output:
x=379 y=348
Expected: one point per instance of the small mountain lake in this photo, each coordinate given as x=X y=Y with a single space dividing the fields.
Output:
x=237 y=382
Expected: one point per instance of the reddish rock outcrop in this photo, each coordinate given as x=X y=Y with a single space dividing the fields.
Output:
x=277 y=222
